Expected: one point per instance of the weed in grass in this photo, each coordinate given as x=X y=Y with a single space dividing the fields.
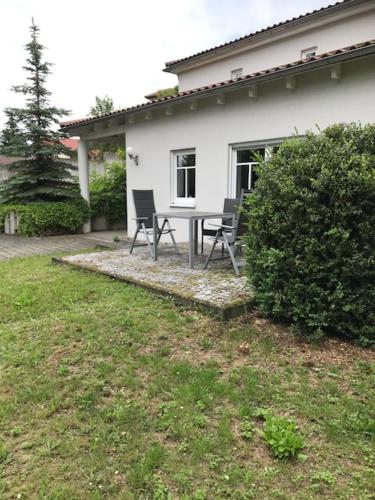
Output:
x=63 y=370
x=282 y=437
x=200 y=420
x=247 y=429
x=161 y=491
x=323 y=476
x=199 y=495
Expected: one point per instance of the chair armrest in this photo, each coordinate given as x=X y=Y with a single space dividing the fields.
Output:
x=223 y=226
x=140 y=218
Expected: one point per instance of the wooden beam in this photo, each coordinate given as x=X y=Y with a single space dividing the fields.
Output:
x=291 y=83
x=193 y=105
x=220 y=99
x=336 y=72
x=253 y=92
x=169 y=111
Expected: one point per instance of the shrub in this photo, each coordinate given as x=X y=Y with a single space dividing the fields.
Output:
x=311 y=238
x=108 y=193
x=282 y=437
x=38 y=219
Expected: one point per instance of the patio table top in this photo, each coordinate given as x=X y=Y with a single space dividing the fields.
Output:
x=193 y=214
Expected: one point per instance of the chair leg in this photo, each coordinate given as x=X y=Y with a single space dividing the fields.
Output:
x=211 y=251
x=202 y=227
x=148 y=241
x=161 y=230
x=134 y=240
x=231 y=254
x=172 y=237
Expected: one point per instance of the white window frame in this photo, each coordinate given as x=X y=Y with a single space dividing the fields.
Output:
x=309 y=52
x=233 y=73
x=268 y=145
x=175 y=200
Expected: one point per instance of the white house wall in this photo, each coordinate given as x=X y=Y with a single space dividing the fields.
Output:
x=341 y=33
x=212 y=128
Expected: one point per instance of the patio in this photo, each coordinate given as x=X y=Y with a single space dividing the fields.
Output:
x=217 y=290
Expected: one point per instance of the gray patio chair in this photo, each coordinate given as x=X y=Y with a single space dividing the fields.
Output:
x=144 y=209
x=230 y=237
x=230 y=207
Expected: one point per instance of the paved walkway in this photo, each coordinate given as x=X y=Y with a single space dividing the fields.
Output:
x=18 y=246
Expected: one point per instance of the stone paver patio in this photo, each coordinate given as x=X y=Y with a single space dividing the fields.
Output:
x=18 y=246
x=217 y=289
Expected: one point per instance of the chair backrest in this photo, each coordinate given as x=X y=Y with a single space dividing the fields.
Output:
x=231 y=206
x=144 y=205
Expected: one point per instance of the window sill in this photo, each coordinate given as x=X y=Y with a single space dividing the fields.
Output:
x=180 y=204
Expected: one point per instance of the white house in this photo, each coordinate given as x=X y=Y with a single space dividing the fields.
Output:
x=196 y=148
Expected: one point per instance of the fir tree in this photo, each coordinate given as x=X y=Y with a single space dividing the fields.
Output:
x=41 y=176
x=12 y=140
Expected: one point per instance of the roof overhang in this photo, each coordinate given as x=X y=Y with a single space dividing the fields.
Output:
x=325 y=15
x=118 y=118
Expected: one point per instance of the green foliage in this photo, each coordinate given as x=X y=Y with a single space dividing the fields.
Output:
x=37 y=219
x=282 y=437
x=103 y=106
x=108 y=193
x=12 y=140
x=3 y=452
x=311 y=238
x=247 y=429
x=41 y=177
x=170 y=91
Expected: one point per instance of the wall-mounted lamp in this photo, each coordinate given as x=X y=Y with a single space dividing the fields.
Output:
x=132 y=156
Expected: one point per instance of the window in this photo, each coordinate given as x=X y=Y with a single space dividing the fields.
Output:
x=183 y=179
x=236 y=73
x=311 y=52
x=245 y=161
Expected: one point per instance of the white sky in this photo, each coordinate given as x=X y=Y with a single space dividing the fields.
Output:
x=119 y=47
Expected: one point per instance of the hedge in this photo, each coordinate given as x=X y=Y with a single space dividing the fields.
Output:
x=38 y=219
x=311 y=238
x=108 y=193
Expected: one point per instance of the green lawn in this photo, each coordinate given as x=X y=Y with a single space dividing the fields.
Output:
x=107 y=391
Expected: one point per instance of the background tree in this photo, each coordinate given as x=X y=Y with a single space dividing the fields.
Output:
x=12 y=140
x=41 y=176
x=103 y=106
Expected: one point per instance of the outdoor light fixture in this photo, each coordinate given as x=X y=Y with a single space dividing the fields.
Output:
x=131 y=155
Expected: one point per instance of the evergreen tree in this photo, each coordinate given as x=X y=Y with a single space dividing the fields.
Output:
x=41 y=176
x=12 y=140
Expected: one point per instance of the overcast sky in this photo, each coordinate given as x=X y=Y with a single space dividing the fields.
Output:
x=119 y=47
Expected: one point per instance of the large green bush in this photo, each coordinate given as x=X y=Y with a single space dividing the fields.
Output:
x=311 y=238
x=108 y=193
x=38 y=219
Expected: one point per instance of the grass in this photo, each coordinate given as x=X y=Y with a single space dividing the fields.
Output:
x=107 y=391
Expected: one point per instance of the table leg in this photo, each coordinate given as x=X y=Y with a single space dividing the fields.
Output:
x=191 y=243
x=155 y=235
x=196 y=237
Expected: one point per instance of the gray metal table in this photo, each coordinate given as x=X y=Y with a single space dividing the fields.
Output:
x=192 y=217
